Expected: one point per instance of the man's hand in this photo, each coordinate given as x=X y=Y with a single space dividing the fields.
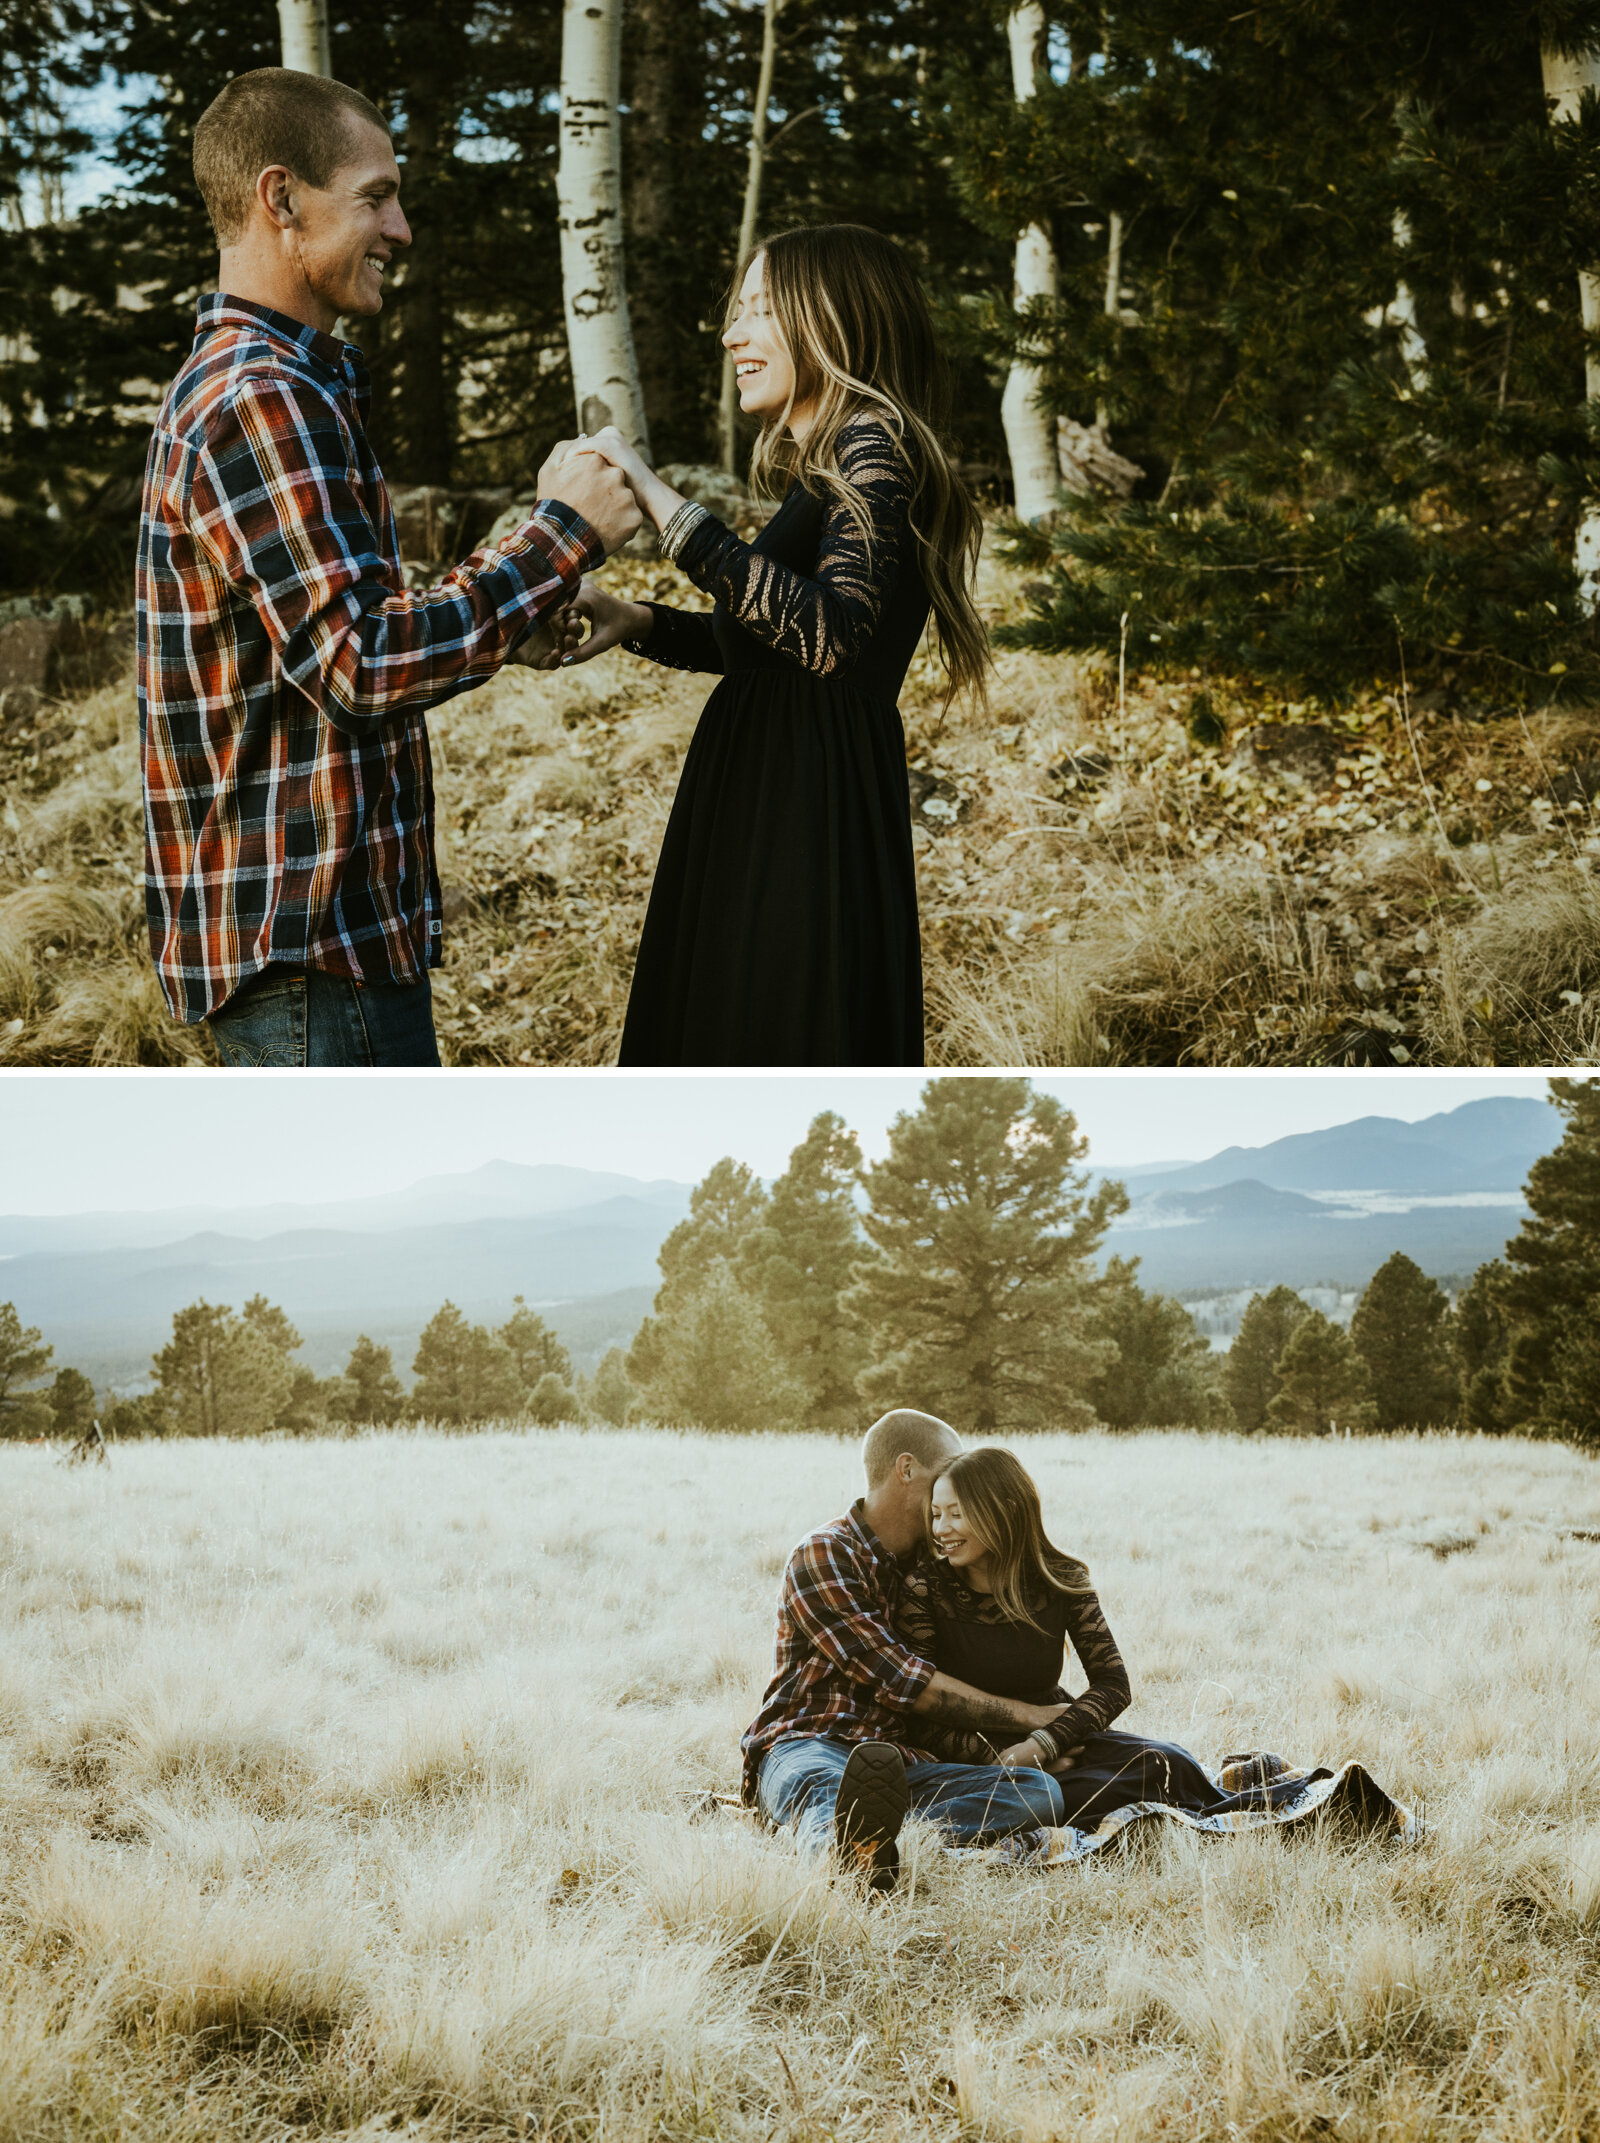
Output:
x=586 y=481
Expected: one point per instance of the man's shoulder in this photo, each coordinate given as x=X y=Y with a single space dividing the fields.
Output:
x=839 y=1540
x=235 y=364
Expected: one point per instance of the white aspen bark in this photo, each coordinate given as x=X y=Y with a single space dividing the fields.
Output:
x=728 y=402
x=1565 y=80
x=1030 y=434
x=303 y=32
x=605 y=373
x=1403 y=311
x=1112 y=305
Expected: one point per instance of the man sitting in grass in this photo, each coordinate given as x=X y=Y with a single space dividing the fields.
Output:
x=285 y=668
x=833 y=1754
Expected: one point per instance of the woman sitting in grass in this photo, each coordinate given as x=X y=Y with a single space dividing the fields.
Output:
x=992 y=1602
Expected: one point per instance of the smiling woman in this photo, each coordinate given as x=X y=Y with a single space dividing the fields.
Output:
x=782 y=926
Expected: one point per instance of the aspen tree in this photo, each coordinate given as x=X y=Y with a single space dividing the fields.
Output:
x=303 y=28
x=1566 y=77
x=605 y=373
x=1030 y=432
x=755 y=162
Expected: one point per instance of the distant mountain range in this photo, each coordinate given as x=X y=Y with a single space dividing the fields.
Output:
x=577 y=1243
x=580 y=1244
x=1332 y=1205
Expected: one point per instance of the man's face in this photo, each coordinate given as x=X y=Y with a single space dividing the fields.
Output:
x=344 y=235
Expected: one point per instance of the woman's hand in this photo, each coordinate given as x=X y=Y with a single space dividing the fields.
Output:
x=658 y=500
x=1023 y=1756
x=610 y=619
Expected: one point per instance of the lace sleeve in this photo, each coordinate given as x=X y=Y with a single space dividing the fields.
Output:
x=821 y=623
x=913 y=1613
x=1108 y=1694
x=679 y=640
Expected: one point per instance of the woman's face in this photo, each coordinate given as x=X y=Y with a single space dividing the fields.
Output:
x=961 y=1547
x=762 y=364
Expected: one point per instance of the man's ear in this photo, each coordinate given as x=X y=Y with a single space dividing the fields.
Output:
x=273 y=193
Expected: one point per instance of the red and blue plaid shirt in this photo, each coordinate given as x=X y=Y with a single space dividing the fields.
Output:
x=842 y=1673
x=284 y=668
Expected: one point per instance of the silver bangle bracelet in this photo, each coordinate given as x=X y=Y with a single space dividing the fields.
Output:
x=680 y=527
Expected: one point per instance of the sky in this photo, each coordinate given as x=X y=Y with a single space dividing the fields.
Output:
x=75 y=1142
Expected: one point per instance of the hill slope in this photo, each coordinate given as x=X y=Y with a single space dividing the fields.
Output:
x=1095 y=886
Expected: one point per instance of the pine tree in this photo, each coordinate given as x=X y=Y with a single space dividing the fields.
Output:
x=464 y=1376
x=718 y=1366
x=1551 y=1289
x=1316 y=496
x=1322 y=1381
x=1401 y=1330
x=799 y=1264
x=225 y=1375
x=1250 y=1374
x=611 y=1395
x=371 y=1392
x=1480 y=1336
x=725 y=1211
x=534 y=1347
x=552 y=1400
x=24 y=1356
x=981 y=1303
x=1163 y=1376
x=71 y=1402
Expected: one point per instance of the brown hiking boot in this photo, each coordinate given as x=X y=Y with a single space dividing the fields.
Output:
x=872 y=1803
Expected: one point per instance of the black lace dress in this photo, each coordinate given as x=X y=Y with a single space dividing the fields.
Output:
x=965 y=1634
x=782 y=926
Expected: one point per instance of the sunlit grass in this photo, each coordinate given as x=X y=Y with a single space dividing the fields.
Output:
x=345 y=1786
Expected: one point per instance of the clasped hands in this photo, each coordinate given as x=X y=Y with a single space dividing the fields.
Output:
x=606 y=480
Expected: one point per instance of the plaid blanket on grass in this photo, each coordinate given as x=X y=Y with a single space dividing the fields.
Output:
x=1350 y=1799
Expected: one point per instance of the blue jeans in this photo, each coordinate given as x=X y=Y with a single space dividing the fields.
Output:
x=799 y=1783
x=299 y=1016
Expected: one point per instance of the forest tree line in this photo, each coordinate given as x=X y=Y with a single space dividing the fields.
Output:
x=959 y=1274
x=1266 y=321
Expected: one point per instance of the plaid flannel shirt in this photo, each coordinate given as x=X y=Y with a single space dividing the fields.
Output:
x=285 y=669
x=842 y=1673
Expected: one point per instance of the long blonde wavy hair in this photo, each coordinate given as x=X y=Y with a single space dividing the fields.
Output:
x=1000 y=1506
x=859 y=329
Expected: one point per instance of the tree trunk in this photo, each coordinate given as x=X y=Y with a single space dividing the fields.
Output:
x=303 y=28
x=1030 y=434
x=425 y=415
x=1565 y=81
x=605 y=374
x=659 y=144
x=728 y=406
x=1403 y=312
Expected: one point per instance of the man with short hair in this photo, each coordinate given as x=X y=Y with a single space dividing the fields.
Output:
x=833 y=1752
x=284 y=668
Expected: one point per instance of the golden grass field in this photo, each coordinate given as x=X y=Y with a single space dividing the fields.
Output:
x=342 y=1790
x=1432 y=899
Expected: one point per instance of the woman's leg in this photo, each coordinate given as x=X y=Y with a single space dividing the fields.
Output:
x=1114 y=1770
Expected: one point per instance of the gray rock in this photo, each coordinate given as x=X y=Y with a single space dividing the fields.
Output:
x=1302 y=752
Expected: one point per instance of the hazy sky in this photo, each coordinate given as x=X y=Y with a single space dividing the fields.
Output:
x=73 y=1142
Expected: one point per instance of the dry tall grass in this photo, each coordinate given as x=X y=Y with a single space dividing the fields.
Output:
x=1423 y=895
x=342 y=1791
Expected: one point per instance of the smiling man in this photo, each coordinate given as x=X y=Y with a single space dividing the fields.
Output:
x=284 y=668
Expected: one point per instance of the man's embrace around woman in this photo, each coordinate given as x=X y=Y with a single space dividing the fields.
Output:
x=921 y=1642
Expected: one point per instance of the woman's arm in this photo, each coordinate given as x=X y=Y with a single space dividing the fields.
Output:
x=819 y=621
x=677 y=639
x=1107 y=1695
